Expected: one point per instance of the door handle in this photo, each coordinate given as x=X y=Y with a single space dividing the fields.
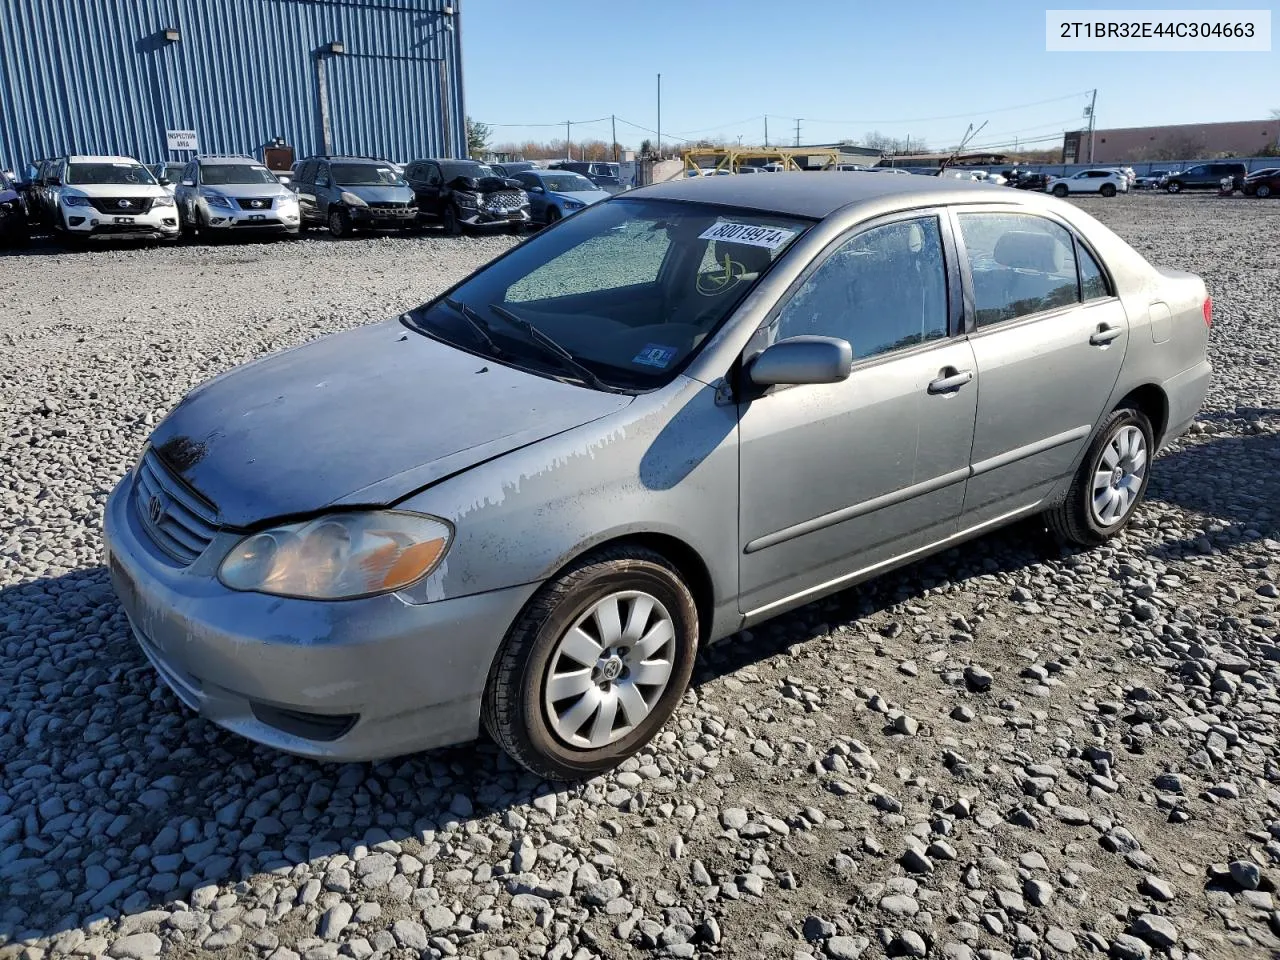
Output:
x=951 y=379
x=1104 y=335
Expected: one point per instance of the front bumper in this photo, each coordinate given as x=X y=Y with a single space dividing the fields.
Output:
x=272 y=219
x=159 y=223
x=350 y=680
x=495 y=218
x=383 y=218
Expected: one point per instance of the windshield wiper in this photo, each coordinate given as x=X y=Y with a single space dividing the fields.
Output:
x=551 y=346
x=477 y=324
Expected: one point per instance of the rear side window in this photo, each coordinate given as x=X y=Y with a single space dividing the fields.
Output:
x=1020 y=265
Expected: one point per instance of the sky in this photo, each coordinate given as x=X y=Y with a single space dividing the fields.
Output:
x=844 y=67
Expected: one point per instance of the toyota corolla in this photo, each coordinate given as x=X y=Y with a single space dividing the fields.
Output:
x=525 y=505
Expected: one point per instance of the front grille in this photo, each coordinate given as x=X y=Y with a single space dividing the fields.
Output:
x=505 y=200
x=180 y=521
x=255 y=203
x=121 y=206
x=265 y=222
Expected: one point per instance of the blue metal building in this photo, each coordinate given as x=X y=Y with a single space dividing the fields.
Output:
x=371 y=77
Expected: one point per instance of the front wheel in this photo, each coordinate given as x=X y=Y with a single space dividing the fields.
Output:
x=1174 y=187
x=1111 y=481
x=339 y=223
x=594 y=665
x=552 y=215
x=1060 y=191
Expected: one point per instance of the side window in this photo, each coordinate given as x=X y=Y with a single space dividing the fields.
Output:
x=306 y=172
x=882 y=290
x=528 y=180
x=322 y=174
x=1093 y=282
x=1020 y=264
x=413 y=171
x=433 y=176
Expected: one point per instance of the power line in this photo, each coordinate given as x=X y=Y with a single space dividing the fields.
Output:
x=558 y=123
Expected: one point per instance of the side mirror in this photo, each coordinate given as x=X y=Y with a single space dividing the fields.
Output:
x=164 y=181
x=535 y=190
x=188 y=183
x=799 y=360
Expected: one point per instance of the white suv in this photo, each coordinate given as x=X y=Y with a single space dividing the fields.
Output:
x=1106 y=182
x=110 y=198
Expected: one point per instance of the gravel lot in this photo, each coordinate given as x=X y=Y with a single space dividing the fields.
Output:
x=1009 y=750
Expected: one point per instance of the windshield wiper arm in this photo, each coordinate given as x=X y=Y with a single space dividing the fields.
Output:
x=477 y=322
x=551 y=346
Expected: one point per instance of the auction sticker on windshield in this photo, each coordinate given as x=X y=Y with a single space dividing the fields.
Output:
x=654 y=355
x=770 y=238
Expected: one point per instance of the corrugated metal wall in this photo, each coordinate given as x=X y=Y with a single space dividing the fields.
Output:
x=97 y=76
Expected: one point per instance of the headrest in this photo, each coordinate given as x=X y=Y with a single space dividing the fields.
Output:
x=1029 y=250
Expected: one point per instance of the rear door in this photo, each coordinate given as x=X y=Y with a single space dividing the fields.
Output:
x=1048 y=355
x=840 y=479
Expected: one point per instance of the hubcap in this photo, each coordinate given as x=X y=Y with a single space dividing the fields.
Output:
x=609 y=670
x=1118 y=475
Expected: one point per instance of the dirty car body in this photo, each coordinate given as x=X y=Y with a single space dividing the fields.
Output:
x=760 y=391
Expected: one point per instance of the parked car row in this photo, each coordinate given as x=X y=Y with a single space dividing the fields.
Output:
x=81 y=197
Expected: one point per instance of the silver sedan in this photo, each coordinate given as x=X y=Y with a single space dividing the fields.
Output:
x=526 y=504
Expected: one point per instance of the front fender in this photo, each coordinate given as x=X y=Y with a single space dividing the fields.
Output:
x=666 y=464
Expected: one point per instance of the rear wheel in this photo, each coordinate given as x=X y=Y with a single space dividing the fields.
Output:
x=1173 y=187
x=1108 y=190
x=1060 y=191
x=1111 y=481
x=594 y=665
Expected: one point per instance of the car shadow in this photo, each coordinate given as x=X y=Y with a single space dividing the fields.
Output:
x=175 y=803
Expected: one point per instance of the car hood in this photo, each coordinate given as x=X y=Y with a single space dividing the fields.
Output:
x=582 y=196
x=387 y=194
x=102 y=190
x=247 y=190
x=363 y=417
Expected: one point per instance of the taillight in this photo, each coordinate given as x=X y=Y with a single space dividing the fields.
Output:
x=1208 y=311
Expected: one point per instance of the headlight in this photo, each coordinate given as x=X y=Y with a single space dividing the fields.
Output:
x=465 y=199
x=286 y=197
x=75 y=200
x=216 y=199
x=352 y=200
x=574 y=204
x=162 y=202
x=338 y=556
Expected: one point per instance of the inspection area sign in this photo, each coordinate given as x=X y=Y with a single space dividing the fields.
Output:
x=182 y=140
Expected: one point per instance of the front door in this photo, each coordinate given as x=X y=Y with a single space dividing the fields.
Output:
x=1049 y=337
x=840 y=479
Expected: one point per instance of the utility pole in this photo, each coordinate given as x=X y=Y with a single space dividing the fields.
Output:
x=1092 y=103
x=568 y=143
x=613 y=125
x=797 y=131
x=766 y=130
x=659 y=116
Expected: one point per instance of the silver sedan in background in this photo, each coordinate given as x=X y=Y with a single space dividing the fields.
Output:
x=526 y=504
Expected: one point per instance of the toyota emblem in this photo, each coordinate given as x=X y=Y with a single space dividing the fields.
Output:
x=123 y=204
x=155 y=509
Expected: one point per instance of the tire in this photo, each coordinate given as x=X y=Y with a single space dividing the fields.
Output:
x=1108 y=190
x=339 y=223
x=1173 y=187
x=553 y=214
x=538 y=733
x=1078 y=519
x=452 y=225
x=1060 y=191
x=1263 y=191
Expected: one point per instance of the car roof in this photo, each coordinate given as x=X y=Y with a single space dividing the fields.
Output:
x=92 y=158
x=814 y=194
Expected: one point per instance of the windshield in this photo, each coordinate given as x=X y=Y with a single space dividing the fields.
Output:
x=219 y=174
x=630 y=289
x=456 y=169
x=366 y=175
x=114 y=172
x=568 y=183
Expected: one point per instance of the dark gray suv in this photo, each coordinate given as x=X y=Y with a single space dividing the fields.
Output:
x=1204 y=176
x=350 y=193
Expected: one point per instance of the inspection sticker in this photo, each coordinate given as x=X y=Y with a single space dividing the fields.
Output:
x=654 y=355
x=771 y=238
